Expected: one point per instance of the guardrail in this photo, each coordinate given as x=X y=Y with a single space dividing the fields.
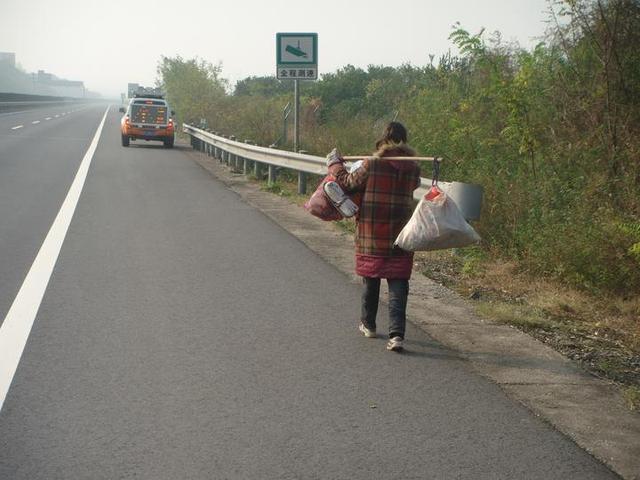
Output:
x=9 y=102
x=253 y=158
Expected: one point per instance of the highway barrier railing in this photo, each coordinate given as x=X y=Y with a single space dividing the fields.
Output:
x=10 y=102
x=250 y=158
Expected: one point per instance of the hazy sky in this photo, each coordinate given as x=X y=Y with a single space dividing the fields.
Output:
x=109 y=43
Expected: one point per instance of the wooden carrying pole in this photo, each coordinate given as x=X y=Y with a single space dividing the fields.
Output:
x=373 y=157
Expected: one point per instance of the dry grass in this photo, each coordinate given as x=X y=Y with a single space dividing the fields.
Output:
x=518 y=315
x=613 y=319
x=602 y=333
x=632 y=397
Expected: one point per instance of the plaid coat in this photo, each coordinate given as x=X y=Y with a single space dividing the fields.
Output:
x=387 y=205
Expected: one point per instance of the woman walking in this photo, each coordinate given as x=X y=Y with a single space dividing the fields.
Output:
x=387 y=204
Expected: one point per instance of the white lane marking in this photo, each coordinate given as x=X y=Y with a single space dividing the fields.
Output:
x=63 y=114
x=56 y=116
x=15 y=330
x=35 y=122
x=48 y=118
x=17 y=127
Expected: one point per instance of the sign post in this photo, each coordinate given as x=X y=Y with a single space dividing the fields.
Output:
x=297 y=59
x=296 y=115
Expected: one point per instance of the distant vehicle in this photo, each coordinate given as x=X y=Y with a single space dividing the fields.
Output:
x=147 y=117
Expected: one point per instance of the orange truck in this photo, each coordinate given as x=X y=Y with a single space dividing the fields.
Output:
x=147 y=117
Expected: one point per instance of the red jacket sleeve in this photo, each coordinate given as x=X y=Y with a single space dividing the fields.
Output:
x=351 y=182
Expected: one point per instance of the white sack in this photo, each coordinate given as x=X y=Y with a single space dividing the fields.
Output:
x=436 y=224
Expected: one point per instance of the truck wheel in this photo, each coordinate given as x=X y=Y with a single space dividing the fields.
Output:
x=168 y=142
x=125 y=141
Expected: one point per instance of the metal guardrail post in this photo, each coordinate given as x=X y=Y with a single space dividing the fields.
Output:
x=222 y=152
x=233 y=159
x=302 y=183
x=272 y=174
x=302 y=179
x=227 y=154
x=246 y=167
x=257 y=166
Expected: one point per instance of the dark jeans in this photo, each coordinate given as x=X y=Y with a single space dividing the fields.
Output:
x=398 y=293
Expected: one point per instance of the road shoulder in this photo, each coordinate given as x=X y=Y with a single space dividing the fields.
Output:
x=589 y=410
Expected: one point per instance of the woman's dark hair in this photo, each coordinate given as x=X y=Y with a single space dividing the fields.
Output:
x=393 y=133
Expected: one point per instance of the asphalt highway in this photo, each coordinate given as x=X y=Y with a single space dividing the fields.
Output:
x=37 y=164
x=184 y=335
